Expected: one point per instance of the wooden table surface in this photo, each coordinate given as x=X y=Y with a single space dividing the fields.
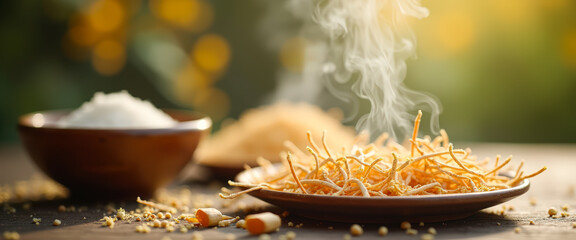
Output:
x=553 y=188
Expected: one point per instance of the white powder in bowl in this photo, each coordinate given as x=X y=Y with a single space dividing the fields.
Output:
x=116 y=110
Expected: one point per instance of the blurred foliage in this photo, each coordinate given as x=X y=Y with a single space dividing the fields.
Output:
x=503 y=70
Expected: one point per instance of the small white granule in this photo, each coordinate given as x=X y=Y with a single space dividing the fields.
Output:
x=56 y=222
x=116 y=110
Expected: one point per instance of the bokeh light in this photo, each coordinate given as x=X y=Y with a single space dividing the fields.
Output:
x=500 y=68
x=80 y=33
x=102 y=32
x=193 y=15
x=194 y=88
x=97 y=30
x=452 y=33
x=568 y=48
x=108 y=57
x=189 y=83
x=213 y=101
x=211 y=53
x=105 y=15
x=514 y=14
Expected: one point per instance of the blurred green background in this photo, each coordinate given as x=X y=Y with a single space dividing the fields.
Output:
x=504 y=71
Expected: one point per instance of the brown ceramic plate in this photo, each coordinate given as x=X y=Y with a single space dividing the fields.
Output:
x=426 y=208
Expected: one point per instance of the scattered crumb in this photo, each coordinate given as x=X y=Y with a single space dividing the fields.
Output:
x=356 y=230
x=533 y=201
x=532 y=222
x=517 y=230
x=564 y=214
x=573 y=224
x=164 y=224
x=11 y=235
x=156 y=223
x=421 y=224
x=143 y=228
x=383 y=231
x=36 y=221
x=290 y=235
x=290 y=224
x=56 y=222
x=498 y=223
x=109 y=222
x=432 y=231
x=183 y=229
x=197 y=236
x=565 y=207
x=552 y=211
x=223 y=223
x=242 y=223
x=427 y=236
x=405 y=225
x=71 y=209
x=121 y=213
x=264 y=236
x=411 y=231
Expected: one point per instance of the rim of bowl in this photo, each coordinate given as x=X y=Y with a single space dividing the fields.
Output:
x=45 y=120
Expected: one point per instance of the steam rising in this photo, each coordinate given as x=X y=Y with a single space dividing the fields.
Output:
x=358 y=49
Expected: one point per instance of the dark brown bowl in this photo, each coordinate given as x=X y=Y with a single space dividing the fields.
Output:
x=112 y=163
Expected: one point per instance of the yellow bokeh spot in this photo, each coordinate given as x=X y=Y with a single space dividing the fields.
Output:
x=205 y=18
x=211 y=53
x=82 y=34
x=194 y=88
x=569 y=48
x=193 y=15
x=190 y=81
x=106 y=15
x=108 y=57
x=452 y=33
x=177 y=12
x=292 y=54
x=515 y=13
